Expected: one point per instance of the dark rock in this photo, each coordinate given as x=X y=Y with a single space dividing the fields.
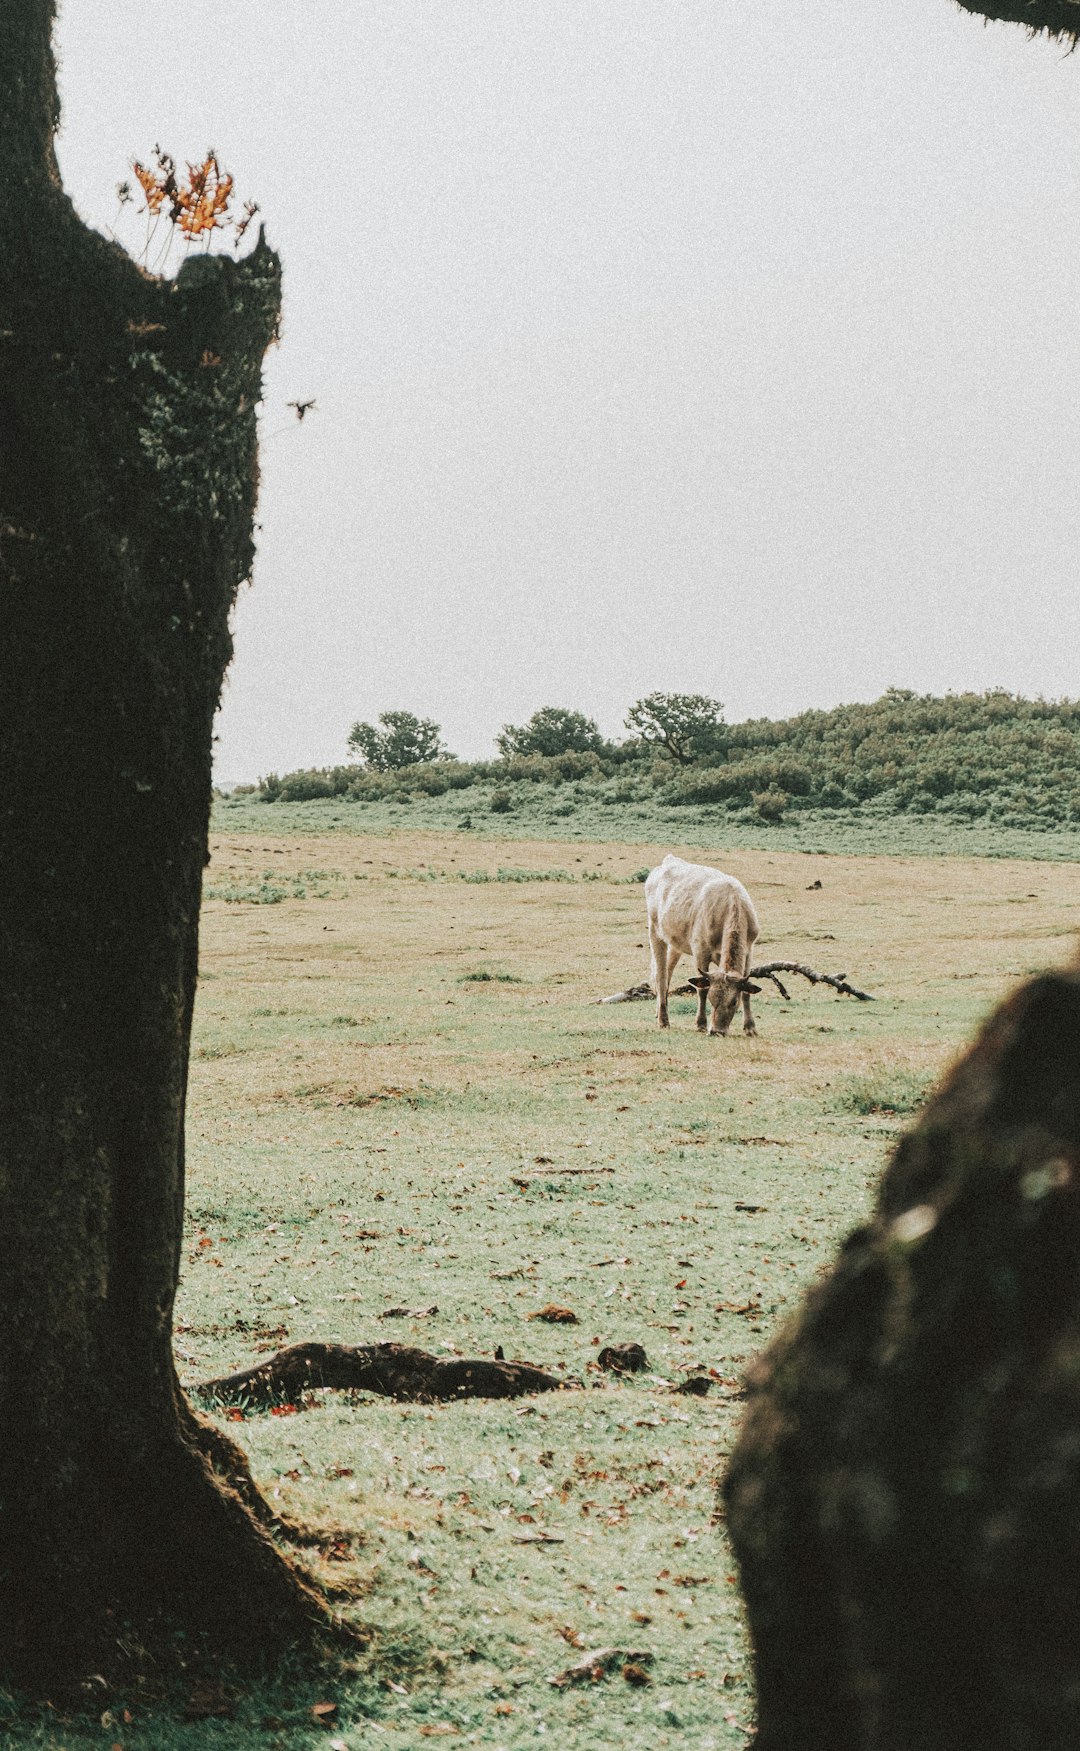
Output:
x=904 y=1498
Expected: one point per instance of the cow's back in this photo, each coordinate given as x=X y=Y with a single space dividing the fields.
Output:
x=688 y=902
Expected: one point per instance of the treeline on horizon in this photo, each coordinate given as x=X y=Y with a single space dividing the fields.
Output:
x=992 y=757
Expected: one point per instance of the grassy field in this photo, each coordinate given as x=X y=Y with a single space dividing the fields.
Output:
x=404 y=1093
x=598 y=812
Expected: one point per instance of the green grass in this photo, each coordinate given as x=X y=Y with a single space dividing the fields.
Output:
x=884 y=1091
x=404 y=1093
x=594 y=816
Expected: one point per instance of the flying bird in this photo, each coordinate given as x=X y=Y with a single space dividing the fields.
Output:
x=302 y=407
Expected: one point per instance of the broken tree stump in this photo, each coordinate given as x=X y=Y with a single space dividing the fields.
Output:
x=904 y=1498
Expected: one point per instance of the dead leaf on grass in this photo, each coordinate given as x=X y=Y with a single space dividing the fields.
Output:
x=596 y=1665
x=537 y=1538
x=635 y=1673
x=409 y=1312
x=555 y=1315
x=322 y=1713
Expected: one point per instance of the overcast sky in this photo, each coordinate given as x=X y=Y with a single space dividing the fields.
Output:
x=656 y=344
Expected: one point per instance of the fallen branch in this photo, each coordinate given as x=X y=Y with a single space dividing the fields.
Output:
x=838 y=981
x=643 y=993
x=770 y=969
x=392 y=1370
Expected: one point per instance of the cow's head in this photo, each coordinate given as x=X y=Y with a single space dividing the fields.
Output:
x=723 y=991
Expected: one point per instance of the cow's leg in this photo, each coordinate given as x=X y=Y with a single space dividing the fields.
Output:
x=702 y=1001
x=662 y=964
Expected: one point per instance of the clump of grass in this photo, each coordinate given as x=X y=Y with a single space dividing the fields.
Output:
x=534 y=875
x=485 y=978
x=897 y=1091
x=240 y=893
x=515 y=875
x=410 y=1097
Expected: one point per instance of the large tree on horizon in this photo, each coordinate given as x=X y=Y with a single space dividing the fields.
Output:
x=127 y=491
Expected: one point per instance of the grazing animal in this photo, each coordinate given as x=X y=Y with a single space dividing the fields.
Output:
x=697 y=911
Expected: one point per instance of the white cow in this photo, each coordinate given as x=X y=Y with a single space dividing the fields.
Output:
x=697 y=911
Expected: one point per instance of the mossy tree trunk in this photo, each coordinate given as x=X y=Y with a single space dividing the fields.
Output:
x=127 y=490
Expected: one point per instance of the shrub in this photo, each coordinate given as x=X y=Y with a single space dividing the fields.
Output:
x=528 y=769
x=770 y=804
x=551 y=731
x=302 y=787
x=741 y=781
x=501 y=802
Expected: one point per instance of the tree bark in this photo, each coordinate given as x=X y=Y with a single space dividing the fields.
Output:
x=904 y=1498
x=127 y=490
